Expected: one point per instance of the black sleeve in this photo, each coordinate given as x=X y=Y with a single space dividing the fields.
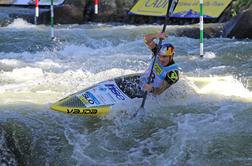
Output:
x=172 y=77
x=154 y=50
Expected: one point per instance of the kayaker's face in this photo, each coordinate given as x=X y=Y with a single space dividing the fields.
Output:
x=164 y=59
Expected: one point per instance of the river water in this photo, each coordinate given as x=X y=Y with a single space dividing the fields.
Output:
x=205 y=119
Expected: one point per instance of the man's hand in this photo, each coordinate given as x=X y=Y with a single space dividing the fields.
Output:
x=148 y=39
x=148 y=87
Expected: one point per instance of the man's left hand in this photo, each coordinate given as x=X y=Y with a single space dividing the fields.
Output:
x=148 y=87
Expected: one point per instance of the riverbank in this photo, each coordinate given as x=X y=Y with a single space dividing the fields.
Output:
x=230 y=24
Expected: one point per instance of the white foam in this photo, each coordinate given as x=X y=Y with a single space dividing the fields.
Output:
x=47 y=64
x=10 y=62
x=20 y=23
x=23 y=74
x=29 y=81
x=222 y=86
x=209 y=55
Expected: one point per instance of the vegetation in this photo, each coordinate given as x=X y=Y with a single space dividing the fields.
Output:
x=242 y=4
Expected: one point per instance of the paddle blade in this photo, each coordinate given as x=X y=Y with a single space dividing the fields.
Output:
x=139 y=113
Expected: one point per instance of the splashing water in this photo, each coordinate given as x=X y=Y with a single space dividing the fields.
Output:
x=204 y=118
x=222 y=86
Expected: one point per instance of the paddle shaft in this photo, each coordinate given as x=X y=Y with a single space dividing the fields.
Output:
x=152 y=66
x=169 y=12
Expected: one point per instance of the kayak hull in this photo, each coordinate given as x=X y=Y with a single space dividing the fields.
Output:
x=99 y=99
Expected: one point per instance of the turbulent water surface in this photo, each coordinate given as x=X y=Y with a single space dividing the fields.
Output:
x=205 y=119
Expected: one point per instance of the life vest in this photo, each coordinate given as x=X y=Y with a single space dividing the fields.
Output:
x=159 y=73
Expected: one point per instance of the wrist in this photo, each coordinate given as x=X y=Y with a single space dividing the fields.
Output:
x=152 y=90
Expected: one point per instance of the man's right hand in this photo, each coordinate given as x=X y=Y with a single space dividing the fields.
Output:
x=148 y=87
x=148 y=39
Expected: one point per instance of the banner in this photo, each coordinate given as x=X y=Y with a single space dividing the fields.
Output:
x=184 y=9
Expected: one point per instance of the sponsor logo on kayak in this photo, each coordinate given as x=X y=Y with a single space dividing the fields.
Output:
x=115 y=91
x=102 y=89
x=92 y=97
x=86 y=111
x=88 y=98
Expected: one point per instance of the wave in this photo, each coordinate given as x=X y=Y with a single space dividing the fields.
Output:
x=221 y=86
x=20 y=23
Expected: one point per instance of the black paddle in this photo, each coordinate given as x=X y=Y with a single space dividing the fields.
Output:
x=171 y=6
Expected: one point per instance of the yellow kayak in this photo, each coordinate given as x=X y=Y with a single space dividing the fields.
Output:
x=99 y=99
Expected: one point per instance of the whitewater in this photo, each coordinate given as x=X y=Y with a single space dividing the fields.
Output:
x=204 y=119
